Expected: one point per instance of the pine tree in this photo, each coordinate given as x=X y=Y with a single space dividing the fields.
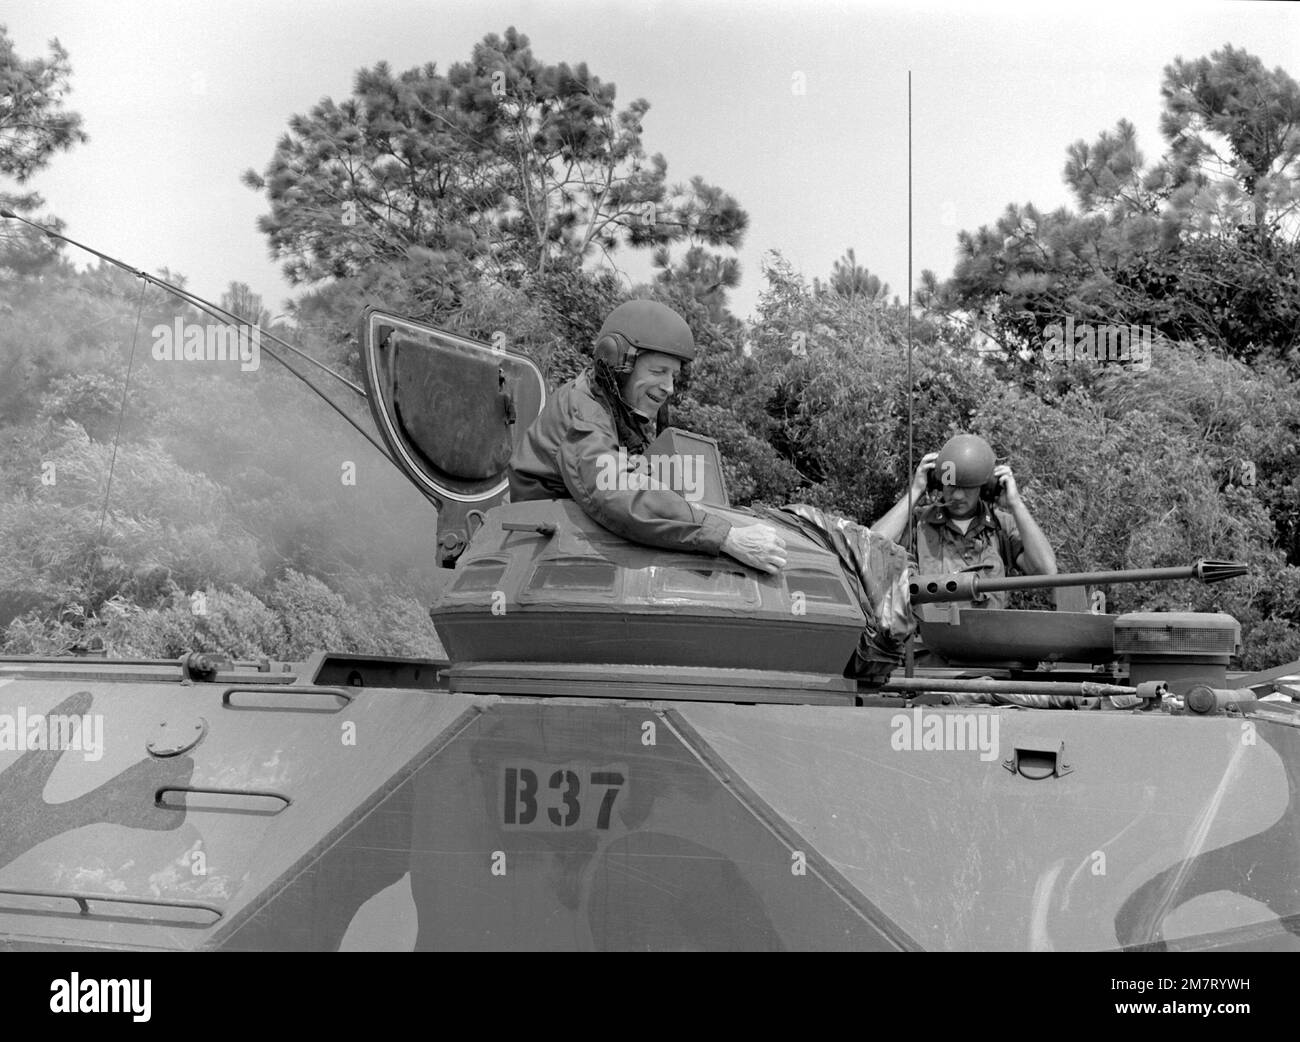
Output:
x=34 y=125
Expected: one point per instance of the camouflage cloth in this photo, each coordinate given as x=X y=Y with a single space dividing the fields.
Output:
x=1007 y=698
x=877 y=571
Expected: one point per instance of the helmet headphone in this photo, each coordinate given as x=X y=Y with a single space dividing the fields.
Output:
x=615 y=351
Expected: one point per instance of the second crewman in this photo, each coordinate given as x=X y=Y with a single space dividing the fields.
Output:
x=979 y=521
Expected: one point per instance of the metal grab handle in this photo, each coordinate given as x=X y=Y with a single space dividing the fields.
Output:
x=83 y=900
x=201 y=791
x=1035 y=760
x=280 y=692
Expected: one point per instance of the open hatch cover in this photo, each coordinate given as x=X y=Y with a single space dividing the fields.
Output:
x=450 y=410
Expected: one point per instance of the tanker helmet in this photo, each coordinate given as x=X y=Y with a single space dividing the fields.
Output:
x=966 y=461
x=642 y=325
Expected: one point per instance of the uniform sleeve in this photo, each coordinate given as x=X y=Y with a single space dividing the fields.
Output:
x=589 y=464
x=1011 y=545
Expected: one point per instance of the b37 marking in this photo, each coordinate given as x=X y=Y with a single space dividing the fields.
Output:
x=567 y=797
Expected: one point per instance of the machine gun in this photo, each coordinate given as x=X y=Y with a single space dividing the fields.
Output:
x=972 y=586
x=1178 y=648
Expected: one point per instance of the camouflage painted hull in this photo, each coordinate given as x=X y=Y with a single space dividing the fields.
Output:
x=249 y=815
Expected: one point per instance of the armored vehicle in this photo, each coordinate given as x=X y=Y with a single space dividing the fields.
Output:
x=627 y=748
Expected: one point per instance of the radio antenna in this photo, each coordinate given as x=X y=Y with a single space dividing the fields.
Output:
x=908 y=657
x=911 y=390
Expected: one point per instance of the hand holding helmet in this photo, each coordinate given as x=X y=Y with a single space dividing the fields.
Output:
x=1008 y=490
x=921 y=479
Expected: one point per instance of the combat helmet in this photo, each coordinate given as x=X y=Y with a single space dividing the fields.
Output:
x=642 y=325
x=966 y=461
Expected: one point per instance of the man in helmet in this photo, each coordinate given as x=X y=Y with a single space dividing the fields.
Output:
x=639 y=353
x=965 y=529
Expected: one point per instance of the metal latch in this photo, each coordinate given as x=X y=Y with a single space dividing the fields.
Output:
x=1036 y=759
x=546 y=528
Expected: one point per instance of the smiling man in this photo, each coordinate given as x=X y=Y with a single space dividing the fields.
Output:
x=569 y=449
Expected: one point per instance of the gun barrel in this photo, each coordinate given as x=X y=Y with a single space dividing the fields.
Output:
x=971 y=586
x=984 y=686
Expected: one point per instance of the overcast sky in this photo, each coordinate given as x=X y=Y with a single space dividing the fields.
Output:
x=180 y=97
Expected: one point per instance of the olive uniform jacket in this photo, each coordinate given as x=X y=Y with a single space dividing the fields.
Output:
x=991 y=544
x=571 y=452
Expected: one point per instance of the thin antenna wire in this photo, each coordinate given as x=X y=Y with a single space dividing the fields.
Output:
x=117 y=437
x=222 y=315
x=909 y=658
x=911 y=463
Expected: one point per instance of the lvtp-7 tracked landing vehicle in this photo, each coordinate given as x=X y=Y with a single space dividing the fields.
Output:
x=627 y=748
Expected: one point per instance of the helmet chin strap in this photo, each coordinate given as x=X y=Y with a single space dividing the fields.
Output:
x=608 y=385
x=621 y=380
x=620 y=385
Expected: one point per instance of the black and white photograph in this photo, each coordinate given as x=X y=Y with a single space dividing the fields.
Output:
x=816 y=475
